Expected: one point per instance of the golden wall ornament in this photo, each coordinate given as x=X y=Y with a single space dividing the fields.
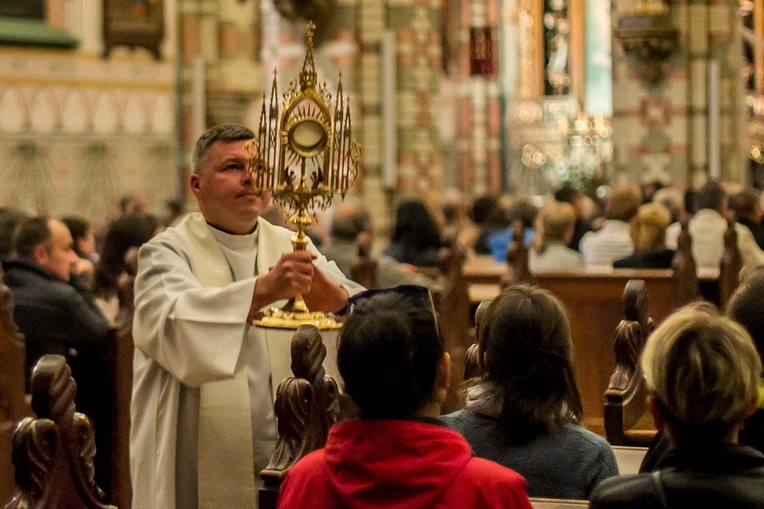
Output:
x=648 y=40
x=304 y=155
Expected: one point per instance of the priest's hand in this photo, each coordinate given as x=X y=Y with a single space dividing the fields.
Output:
x=325 y=294
x=292 y=275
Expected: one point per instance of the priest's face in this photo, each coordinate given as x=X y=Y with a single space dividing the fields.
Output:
x=224 y=189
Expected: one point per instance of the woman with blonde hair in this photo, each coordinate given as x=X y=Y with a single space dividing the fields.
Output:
x=648 y=231
x=702 y=373
x=549 y=249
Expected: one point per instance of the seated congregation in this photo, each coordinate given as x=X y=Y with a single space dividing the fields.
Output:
x=702 y=372
x=524 y=419
x=519 y=434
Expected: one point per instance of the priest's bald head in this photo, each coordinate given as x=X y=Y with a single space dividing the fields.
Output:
x=221 y=180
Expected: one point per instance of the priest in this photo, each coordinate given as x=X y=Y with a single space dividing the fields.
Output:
x=202 y=407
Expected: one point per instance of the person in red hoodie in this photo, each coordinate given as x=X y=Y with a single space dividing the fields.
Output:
x=399 y=454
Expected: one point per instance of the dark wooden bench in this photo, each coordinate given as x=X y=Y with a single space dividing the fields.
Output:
x=452 y=304
x=14 y=405
x=594 y=302
x=53 y=452
x=307 y=404
x=626 y=395
x=120 y=361
x=364 y=270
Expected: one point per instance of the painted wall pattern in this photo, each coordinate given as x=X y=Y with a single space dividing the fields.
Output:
x=661 y=132
x=78 y=131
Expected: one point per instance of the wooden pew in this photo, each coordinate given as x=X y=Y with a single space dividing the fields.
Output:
x=53 y=453
x=731 y=264
x=593 y=299
x=364 y=270
x=552 y=503
x=626 y=395
x=14 y=405
x=120 y=359
x=517 y=259
x=594 y=303
x=452 y=304
x=307 y=404
x=472 y=367
x=684 y=270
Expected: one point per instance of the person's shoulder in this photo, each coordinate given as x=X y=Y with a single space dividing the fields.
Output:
x=15 y=271
x=707 y=220
x=390 y=273
x=626 y=491
x=170 y=241
x=310 y=465
x=590 y=237
x=483 y=483
x=306 y=472
x=571 y=256
x=307 y=481
x=168 y=237
x=744 y=231
x=585 y=435
x=274 y=229
x=479 y=469
x=454 y=417
x=501 y=237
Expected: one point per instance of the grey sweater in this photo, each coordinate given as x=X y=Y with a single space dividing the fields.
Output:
x=566 y=464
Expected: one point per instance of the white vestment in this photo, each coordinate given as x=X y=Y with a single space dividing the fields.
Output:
x=187 y=335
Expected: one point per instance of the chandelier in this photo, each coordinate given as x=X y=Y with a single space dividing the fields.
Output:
x=561 y=145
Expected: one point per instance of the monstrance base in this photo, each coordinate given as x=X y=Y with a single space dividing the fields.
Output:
x=276 y=318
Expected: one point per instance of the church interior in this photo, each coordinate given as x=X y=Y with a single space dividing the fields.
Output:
x=450 y=101
x=105 y=98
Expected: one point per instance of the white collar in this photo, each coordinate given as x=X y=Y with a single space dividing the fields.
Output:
x=236 y=242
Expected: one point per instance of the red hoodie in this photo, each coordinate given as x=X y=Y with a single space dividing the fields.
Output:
x=400 y=464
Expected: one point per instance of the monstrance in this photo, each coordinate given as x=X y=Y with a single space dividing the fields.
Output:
x=304 y=156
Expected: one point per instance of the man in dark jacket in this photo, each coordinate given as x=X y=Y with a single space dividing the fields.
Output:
x=702 y=373
x=55 y=315
x=58 y=316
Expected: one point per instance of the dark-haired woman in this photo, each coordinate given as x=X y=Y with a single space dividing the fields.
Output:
x=416 y=236
x=524 y=411
x=84 y=246
x=398 y=455
x=131 y=230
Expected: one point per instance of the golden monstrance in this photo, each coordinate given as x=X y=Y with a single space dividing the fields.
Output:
x=304 y=156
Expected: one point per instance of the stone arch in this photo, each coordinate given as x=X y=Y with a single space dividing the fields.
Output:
x=136 y=113
x=45 y=110
x=107 y=117
x=76 y=112
x=15 y=108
